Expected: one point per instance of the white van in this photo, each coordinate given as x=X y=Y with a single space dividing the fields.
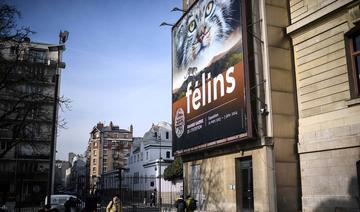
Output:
x=57 y=202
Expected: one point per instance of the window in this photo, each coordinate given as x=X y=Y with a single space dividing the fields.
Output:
x=94 y=152
x=147 y=155
x=152 y=183
x=136 y=178
x=167 y=135
x=14 y=50
x=195 y=181
x=32 y=89
x=37 y=55
x=37 y=72
x=353 y=53
x=168 y=154
x=142 y=156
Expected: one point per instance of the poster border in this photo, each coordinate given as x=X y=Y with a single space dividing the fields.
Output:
x=249 y=130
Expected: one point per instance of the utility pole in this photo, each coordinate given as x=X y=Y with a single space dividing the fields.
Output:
x=120 y=186
x=59 y=48
x=160 y=201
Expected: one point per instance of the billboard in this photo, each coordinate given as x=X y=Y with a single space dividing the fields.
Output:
x=210 y=101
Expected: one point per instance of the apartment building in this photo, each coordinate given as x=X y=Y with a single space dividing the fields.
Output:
x=108 y=150
x=26 y=120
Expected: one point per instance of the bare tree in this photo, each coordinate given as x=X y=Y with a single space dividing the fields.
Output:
x=26 y=87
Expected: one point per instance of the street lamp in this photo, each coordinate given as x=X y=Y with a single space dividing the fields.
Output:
x=177 y=9
x=63 y=36
x=166 y=24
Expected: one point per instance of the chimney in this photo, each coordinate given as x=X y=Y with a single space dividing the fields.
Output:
x=131 y=129
x=100 y=125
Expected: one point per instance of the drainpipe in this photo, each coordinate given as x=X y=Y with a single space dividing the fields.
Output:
x=263 y=95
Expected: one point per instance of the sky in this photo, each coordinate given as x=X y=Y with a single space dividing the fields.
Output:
x=118 y=62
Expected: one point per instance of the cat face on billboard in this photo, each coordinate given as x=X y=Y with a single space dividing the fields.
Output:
x=205 y=25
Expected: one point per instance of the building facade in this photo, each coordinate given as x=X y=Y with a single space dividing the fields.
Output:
x=305 y=151
x=108 y=150
x=252 y=173
x=326 y=45
x=60 y=176
x=76 y=177
x=26 y=111
x=149 y=157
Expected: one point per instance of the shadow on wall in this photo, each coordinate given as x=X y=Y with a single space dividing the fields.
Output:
x=349 y=204
x=211 y=185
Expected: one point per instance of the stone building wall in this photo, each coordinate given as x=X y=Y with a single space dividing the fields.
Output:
x=329 y=119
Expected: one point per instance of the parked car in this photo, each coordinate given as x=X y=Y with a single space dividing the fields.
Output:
x=57 y=202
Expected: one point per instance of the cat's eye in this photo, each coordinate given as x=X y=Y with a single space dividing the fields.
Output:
x=192 y=26
x=209 y=8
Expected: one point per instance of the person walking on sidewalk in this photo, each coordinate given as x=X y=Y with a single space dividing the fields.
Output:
x=180 y=204
x=191 y=205
x=114 y=205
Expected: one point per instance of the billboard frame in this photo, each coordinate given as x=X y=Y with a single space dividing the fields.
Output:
x=248 y=135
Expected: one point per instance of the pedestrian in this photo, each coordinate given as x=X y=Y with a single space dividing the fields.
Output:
x=152 y=199
x=70 y=205
x=114 y=205
x=180 y=204
x=191 y=205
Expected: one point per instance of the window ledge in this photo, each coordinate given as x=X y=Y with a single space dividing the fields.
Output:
x=352 y=102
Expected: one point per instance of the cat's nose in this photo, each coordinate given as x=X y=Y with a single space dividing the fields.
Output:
x=203 y=30
x=201 y=36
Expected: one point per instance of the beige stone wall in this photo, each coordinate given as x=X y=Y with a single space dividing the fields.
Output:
x=218 y=174
x=302 y=9
x=283 y=106
x=329 y=179
x=321 y=70
x=329 y=125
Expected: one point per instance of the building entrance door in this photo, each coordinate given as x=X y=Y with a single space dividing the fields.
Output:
x=244 y=185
